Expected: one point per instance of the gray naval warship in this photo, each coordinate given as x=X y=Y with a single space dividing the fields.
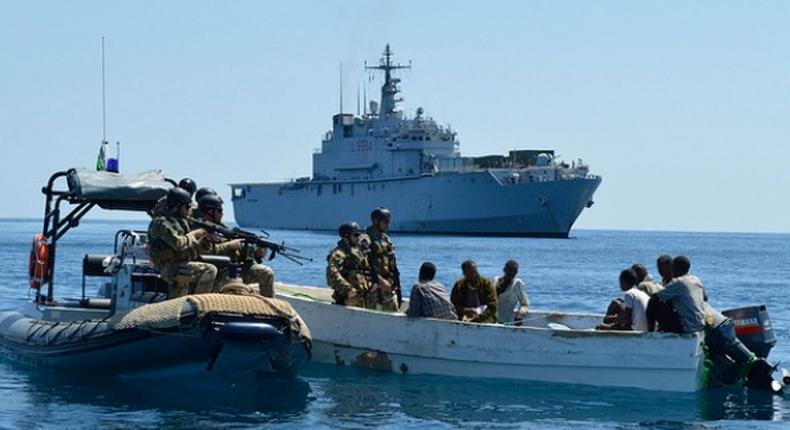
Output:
x=414 y=167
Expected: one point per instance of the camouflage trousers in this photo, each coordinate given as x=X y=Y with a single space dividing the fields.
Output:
x=254 y=274
x=188 y=278
x=263 y=276
x=384 y=301
x=374 y=299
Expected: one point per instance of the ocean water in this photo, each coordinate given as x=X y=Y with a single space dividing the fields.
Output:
x=577 y=274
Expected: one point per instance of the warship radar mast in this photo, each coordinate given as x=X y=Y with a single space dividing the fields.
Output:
x=390 y=87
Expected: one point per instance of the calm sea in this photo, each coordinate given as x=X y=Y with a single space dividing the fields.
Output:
x=578 y=274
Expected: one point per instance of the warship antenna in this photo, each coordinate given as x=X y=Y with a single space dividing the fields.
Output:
x=365 y=98
x=357 y=98
x=103 y=97
x=340 y=87
x=390 y=87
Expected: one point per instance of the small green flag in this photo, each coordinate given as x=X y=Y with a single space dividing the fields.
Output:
x=101 y=160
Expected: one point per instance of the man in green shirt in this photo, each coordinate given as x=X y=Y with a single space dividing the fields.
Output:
x=474 y=296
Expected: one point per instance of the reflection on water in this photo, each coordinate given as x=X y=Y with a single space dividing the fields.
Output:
x=577 y=274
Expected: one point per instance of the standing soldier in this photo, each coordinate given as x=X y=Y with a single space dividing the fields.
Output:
x=347 y=269
x=173 y=247
x=381 y=255
x=210 y=209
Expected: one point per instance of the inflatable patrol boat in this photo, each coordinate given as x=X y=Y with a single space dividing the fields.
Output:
x=130 y=328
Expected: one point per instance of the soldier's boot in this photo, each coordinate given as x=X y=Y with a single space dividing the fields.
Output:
x=263 y=276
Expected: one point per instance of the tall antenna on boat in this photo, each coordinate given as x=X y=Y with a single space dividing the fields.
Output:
x=365 y=98
x=340 y=87
x=103 y=97
x=357 y=98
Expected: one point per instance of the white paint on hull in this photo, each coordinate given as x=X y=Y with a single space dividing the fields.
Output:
x=392 y=342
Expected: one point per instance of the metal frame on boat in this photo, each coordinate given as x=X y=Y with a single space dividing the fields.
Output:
x=131 y=327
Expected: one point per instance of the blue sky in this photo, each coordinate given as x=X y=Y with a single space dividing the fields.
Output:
x=682 y=107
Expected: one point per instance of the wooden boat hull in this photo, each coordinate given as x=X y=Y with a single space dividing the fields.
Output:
x=579 y=355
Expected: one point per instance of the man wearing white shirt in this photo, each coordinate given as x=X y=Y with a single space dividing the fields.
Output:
x=511 y=292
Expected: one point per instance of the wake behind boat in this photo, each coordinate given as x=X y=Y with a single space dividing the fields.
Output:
x=130 y=328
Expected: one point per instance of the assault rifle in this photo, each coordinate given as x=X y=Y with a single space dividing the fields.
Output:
x=396 y=280
x=292 y=254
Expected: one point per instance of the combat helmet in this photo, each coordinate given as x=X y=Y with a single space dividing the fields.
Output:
x=209 y=202
x=347 y=229
x=178 y=196
x=189 y=185
x=202 y=192
x=380 y=213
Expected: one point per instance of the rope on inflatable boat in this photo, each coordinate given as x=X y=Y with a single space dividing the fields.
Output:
x=167 y=314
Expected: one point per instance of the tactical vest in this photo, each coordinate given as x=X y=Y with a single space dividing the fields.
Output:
x=160 y=252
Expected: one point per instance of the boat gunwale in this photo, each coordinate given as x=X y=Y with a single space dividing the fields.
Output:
x=570 y=332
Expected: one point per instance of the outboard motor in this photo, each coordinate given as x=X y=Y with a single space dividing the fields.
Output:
x=740 y=355
x=753 y=328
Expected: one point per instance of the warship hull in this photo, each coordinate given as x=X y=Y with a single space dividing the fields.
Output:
x=474 y=203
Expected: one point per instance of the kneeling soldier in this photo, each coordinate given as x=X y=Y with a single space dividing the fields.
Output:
x=173 y=247
x=210 y=209
x=347 y=269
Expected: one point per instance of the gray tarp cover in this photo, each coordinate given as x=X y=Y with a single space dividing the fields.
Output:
x=91 y=185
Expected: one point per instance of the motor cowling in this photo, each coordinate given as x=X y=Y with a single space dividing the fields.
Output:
x=753 y=328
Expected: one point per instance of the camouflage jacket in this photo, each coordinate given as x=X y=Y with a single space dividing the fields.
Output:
x=347 y=269
x=169 y=242
x=380 y=252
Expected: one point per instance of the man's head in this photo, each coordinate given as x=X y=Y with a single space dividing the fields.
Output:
x=178 y=199
x=211 y=206
x=680 y=265
x=202 y=192
x=380 y=218
x=511 y=268
x=641 y=272
x=627 y=279
x=469 y=268
x=349 y=233
x=189 y=185
x=664 y=266
x=427 y=271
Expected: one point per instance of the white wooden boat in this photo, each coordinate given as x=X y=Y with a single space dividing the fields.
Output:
x=576 y=354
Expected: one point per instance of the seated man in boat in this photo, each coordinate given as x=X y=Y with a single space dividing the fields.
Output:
x=474 y=296
x=644 y=281
x=631 y=311
x=664 y=267
x=347 y=269
x=511 y=292
x=210 y=209
x=174 y=247
x=428 y=298
x=686 y=295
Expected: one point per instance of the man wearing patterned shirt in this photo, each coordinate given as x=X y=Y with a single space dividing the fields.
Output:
x=428 y=298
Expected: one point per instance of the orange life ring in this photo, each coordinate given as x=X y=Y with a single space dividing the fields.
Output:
x=38 y=266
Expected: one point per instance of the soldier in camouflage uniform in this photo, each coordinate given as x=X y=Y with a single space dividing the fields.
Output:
x=380 y=252
x=188 y=185
x=347 y=269
x=173 y=247
x=210 y=209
